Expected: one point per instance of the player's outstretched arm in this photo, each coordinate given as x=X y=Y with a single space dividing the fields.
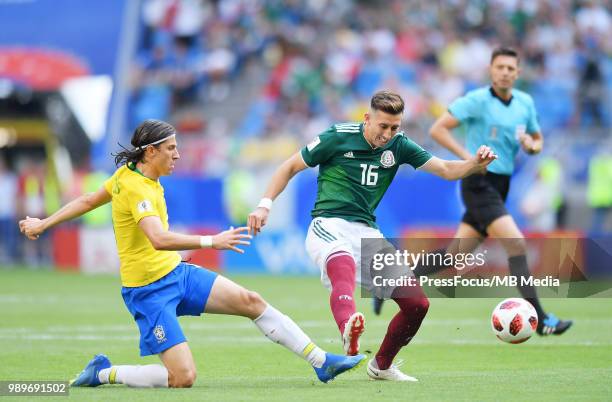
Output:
x=258 y=218
x=34 y=227
x=162 y=239
x=440 y=131
x=453 y=170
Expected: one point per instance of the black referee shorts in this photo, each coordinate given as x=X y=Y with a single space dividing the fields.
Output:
x=484 y=197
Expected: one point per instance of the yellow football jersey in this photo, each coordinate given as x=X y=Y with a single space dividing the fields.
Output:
x=134 y=197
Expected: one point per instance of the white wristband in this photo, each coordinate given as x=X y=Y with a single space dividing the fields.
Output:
x=265 y=203
x=205 y=241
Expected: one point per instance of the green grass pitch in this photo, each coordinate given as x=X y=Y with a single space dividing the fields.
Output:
x=52 y=323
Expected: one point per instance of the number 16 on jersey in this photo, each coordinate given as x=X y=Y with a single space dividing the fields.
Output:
x=369 y=175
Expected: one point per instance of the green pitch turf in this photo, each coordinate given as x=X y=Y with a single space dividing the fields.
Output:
x=51 y=324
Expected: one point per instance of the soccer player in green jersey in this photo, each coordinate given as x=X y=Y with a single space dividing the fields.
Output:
x=357 y=163
x=503 y=118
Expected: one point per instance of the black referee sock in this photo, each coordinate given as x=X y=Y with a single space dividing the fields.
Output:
x=519 y=268
x=437 y=266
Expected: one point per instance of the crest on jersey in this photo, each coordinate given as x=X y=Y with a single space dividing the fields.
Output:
x=387 y=159
x=159 y=333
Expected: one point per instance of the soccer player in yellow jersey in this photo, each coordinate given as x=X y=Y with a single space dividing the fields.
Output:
x=157 y=286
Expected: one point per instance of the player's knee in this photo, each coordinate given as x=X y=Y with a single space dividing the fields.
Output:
x=422 y=306
x=414 y=306
x=515 y=247
x=419 y=306
x=253 y=303
x=188 y=379
x=184 y=378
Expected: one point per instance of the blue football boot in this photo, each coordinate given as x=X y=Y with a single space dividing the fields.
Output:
x=552 y=325
x=337 y=364
x=89 y=375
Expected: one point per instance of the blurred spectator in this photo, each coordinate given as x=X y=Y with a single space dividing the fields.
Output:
x=599 y=192
x=591 y=92
x=182 y=69
x=593 y=17
x=31 y=188
x=544 y=198
x=217 y=64
x=151 y=93
x=179 y=17
x=101 y=216
x=31 y=202
x=8 y=222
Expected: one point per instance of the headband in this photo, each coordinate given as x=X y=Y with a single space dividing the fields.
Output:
x=154 y=142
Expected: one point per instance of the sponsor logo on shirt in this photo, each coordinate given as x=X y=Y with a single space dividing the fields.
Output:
x=387 y=159
x=349 y=154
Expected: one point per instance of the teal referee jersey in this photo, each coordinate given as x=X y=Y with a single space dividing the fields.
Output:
x=491 y=121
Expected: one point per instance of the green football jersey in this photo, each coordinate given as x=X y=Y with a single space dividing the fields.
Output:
x=353 y=177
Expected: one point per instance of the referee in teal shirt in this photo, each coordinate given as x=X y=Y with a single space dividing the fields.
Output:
x=504 y=119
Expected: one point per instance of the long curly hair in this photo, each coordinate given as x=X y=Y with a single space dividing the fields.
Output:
x=147 y=132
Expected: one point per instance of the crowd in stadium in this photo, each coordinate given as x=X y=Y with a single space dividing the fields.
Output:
x=321 y=60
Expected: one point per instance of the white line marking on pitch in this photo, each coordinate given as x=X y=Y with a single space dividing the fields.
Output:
x=236 y=340
x=245 y=324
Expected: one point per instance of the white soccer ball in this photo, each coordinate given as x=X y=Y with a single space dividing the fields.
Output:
x=514 y=320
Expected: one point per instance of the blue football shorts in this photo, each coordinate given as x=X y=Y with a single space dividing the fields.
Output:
x=157 y=306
